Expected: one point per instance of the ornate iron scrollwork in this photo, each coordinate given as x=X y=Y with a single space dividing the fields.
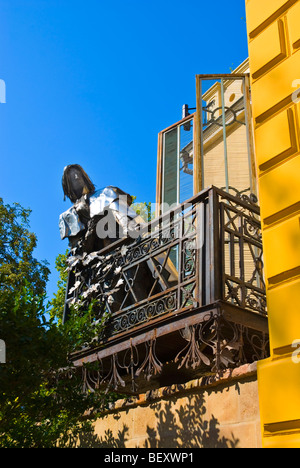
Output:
x=151 y=364
x=191 y=355
x=219 y=344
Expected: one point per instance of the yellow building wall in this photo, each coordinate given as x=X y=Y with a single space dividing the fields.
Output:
x=274 y=52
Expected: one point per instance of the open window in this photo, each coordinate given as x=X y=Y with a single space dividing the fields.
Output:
x=213 y=146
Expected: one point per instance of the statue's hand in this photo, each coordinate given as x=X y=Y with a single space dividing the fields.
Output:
x=82 y=208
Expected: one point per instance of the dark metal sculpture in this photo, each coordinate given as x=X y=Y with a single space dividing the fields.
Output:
x=80 y=223
x=76 y=182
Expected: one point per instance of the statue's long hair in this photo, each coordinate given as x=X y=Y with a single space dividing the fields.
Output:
x=67 y=186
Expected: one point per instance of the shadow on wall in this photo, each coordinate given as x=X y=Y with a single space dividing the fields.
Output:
x=186 y=427
x=109 y=441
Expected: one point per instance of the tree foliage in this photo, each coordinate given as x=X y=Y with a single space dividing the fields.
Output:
x=41 y=399
x=18 y=267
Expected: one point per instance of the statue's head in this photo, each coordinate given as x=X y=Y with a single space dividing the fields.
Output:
x=76 y=182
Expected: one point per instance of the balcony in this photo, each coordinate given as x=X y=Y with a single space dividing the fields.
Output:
x=185 y=299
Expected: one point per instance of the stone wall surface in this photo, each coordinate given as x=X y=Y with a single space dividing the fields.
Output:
x=203 y=413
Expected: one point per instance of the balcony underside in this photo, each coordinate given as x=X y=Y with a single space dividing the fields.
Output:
x=175 y=349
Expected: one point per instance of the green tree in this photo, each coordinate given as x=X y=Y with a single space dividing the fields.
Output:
x=143 y=209
x=56 y=305
x=41 y=399
x=18 y=267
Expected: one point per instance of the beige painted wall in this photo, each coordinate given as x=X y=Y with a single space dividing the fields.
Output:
x=224 y=413
x=238 y=168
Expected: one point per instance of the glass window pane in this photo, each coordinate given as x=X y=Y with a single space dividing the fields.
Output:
x=186 y=161
x=170 y=168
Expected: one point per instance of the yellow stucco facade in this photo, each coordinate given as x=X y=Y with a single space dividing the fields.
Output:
x=274 y=53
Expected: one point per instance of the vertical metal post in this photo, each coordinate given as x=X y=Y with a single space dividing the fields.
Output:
x=198 y=140
x=159 y=175
x=163 y=150
x=222 y=250
x=214 y=246
x=250 y=146
x=247 y=137
x=201 y=137
x=224 y=136
x=179 y=258
x=178 y=165
x=242 y=261
x=249 y=131
x=200 y=246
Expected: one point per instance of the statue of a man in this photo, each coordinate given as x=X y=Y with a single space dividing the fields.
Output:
x=79 y=222
x=96 y=219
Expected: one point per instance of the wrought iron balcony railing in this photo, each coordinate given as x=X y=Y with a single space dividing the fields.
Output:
x=185 y=298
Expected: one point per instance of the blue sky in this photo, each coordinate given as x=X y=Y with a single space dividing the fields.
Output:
x=93 y=83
